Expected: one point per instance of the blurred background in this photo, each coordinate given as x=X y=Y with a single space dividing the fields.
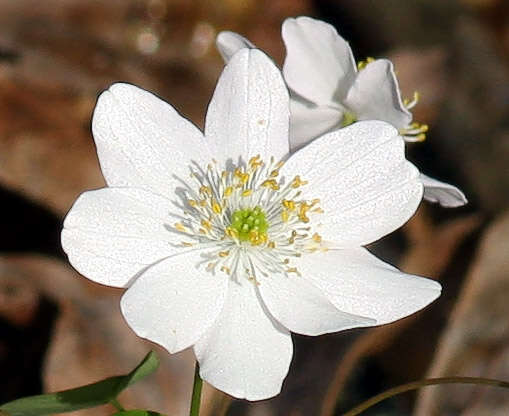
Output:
x=58 y=330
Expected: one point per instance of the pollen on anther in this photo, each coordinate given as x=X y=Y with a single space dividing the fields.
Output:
x=270 y=183
x=206 y=224
x=180 y=227
x=297 y=181
x=216 y=207
x=289 y=204
x=228 y=191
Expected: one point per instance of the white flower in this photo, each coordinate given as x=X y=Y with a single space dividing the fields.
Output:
x=329 y=92
x=223 y=246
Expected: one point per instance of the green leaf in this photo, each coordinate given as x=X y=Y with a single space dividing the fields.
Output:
x=138 y=413
x=91 y=395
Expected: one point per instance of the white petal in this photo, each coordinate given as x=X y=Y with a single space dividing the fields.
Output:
x=319 y=64
x=174 y=302
x=443 y=193
x=365 y=185
x=359 y=283
x=246 y=353
x=249 y=112
x=111 y=234
x=304 y=309
x=375 y=95
x=308 y=121
x=228 y=43
x=142 y=141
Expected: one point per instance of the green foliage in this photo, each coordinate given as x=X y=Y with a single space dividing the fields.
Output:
x=91 y=395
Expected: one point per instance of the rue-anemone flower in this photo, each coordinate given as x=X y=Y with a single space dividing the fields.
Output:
x=329 y=91
x=225 y=243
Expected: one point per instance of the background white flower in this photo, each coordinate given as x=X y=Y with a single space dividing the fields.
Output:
x=227 y=250
x=328 y=91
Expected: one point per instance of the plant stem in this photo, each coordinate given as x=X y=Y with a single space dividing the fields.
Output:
x=418 y=384
x=117 y=405
x=196 y=397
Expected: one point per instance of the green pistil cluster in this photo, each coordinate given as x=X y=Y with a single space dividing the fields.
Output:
x=249 y=223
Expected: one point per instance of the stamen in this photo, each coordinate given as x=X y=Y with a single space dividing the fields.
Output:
x=415 y=132
x=216 y=207
x=180 y=227
x=253 y=232
x=362 y=64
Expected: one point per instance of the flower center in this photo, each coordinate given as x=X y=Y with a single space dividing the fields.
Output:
x=247 y=221
x=250 y=225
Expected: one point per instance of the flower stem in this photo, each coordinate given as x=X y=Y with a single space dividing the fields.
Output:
x=117 y=405
x=196 y=397
x=418 y=384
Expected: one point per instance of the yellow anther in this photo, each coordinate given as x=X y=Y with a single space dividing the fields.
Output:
x=270 y=183
x=186 y=244
x=216 y=207
x=192 y=202
x=363 y=64
x=225 y=269
x=228 y=191
x=247 y=192
x=303 y=209
x=318 y=210
x=289 y=204
x=224 y=253
x=206 y=224
x=271 y=244
x=224 y=174
x=205 y=190
x=280 y=164
x=241 y=176
x=420 y=137
x=297 y=181
x=315 y=201
x=202 y=231
x=286 y=261
x=203 y=202
x=256 y=238
x=291 y=240
x=180 y=227
x=317 y=238
x=255 y=162
x=274 y=173
x=284 y=215
x=231 y=232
